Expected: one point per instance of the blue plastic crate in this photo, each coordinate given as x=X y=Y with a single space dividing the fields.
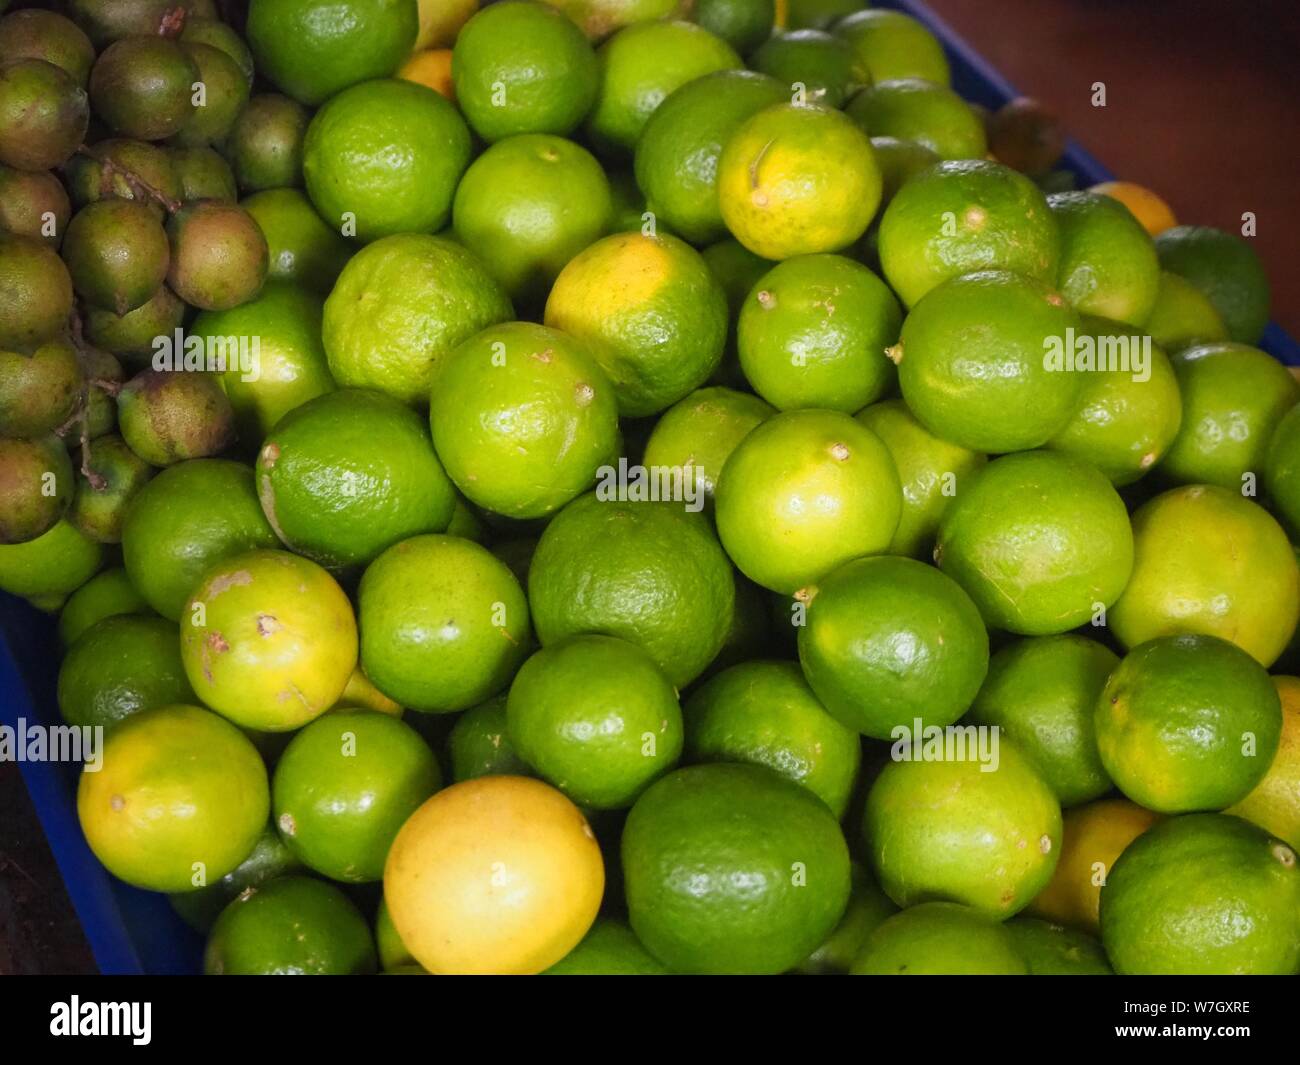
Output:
x=132 y=931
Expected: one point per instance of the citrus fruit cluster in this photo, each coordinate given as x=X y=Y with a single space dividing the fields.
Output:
x=654 y=490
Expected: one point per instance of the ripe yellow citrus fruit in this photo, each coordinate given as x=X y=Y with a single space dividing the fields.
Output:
x=1155 y=215
x=431 y=68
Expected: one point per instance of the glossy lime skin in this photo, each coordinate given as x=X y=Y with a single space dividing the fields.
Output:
x=868 y=908
x=1054 y=950
x=960 y=216
x=350 y=473
x=914 y=109
x=824 y=65
x=291 y=926
x=813 y=333
x=950 y=830
x=479 y=744
x=893 y=45
x=1282 y=470
x=190 y=516
x=711 y=856
x=107 y=594
x=1108 y=263
x=939 y=939
x=345 y=785
x=650 y=573
x=1233 y=398
x=120 y=666
x=1174 y=722
x=1042 y=693
x=1226 y=269
x=56 y=563
x=932 y=470
x=268 y=859
x=804 y=492
x=611 y=948
x=523 y=417
x=764 y=713
x=595 y=717
x=1040 y=541
x=302 y=247
x=444 y=624
x=972 y=362
x=1205 y=894
x=1182 y=315
x=889 y=641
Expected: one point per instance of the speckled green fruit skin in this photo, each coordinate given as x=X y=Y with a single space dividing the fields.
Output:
x=122 y=665
x=117 y=254
x=1226 y=269
x=479 y=744
x=1282 y=470
x=1042 y=693
x=610 y=948
x=1054 y=950
x=914 y=109
x=55 y=564
x=350 y=473
x=345 y=785
x=824 y=65
x=38 y=299
x=1182 y=315
x=411 y=653
x=40 y=391
x=31 y=33
x=813 y=333
x=204 y=175
x=868 y=908
x=1040 y=541
x=950 y=830
x=1206 y=894
x=522 y=417
x=313 y=52
x=301 y=247
x=939 y=939
x=595 y=717
x=291 y=926
x=1208 y=561
x=226 y=91
x=677 y=153
x=893 y=45
x=167 y=417
x=188 y=517
x=1233 y=398
x=107 y=594
x=889 y=641
x=999 y=220
x=131 y=336
x=265 y=145
x=764 y=713
x=773 y=534
x=732 y=869
x=1188 y=723
x=36 y=486
x=101 y=504
x=973 y=362
x=143 y=87
x=651 y=573
x=1108 y=263
x=45 y=115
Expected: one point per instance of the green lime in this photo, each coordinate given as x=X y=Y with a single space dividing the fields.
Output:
x=814 y=331
x=120 y=666
x=290 y=926
x=1282 y=469
x=900 y=161
x=1226 y=269
x=350 y=473
x=677 y=152
x=1054 y=950
x=480 y=746
x=528 y=205
x=914 y=109
x=610 y=948
x=189 y=517
x=1130 y=407
x=1040 y=541
x=1041 y=693
x=399 y=306
x=976 y=361
x=891 y=642
x=268 y=859
x=814 y=14
x=891 y=45
x=651 y=573
x=825 y=66
x=595 y=717
x=749 y=636
x=55 y=564
x=393 y=955
x=804 y=492
x=963 y=817
x=733 y=869
x=302 y=247
x=1274 y=804
x=959 y=216
x=868 y=907
x=178 y=800
x=384 y=157
x=107 y=594
x=642 y=64
x=697 y=435
x=1188 y=723
x=1233 y=398
x=1203 y=895
x=345 y=785
x=522 y=67
x=764 y=713
x=737 y=270
x=743 y=24
x=930 y=468
x=796 y=179
x=1208 y=561
x=312 y=52
x=940 y=939
x=1182 y=315
x=653 y=312
x=444 y=624
x=523 y=417
x=1108 y=264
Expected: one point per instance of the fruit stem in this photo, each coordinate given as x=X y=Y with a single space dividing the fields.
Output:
x=81 y=416
x=141 y=188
